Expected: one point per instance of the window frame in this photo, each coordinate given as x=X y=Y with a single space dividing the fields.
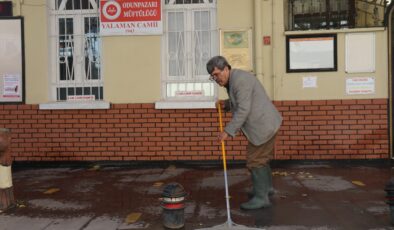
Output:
x=326 y=15
x=189 y=77
x=358 y=14
x=80 y=81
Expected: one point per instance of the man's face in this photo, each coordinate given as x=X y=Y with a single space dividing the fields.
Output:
x=221 y=77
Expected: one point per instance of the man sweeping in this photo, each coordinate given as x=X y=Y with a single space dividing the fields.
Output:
x=259 y=120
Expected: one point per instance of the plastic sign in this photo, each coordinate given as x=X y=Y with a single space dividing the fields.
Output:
x=360 y=85
x=130 y=17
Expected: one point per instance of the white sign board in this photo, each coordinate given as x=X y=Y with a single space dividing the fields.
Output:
x=130 y=17
x=360 y=52
x=11 y=60
x=360 y=85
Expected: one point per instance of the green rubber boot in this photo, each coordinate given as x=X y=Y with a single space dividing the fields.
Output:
x=260 y=179
x=271 y=190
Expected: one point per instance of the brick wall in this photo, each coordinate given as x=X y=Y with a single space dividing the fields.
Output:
x=338 y=129
x=335 y=129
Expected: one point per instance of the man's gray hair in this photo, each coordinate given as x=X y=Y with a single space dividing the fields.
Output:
x=219 y=62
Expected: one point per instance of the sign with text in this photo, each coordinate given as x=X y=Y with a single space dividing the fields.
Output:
x=236 y=47
x=130 y=17
x=189 y=93
x=360 y=85
x=12 y=86
x=309 y=82
x=12 y=67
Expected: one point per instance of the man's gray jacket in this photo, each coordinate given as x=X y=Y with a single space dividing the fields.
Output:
x=253 y=111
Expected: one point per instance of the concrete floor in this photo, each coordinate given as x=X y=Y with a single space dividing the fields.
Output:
x=312 y=196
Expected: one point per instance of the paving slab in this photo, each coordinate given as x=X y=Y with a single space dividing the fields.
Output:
x=313 y=196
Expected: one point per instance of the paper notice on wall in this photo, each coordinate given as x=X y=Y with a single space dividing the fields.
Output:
x=360 y=85
x=189 y=93
x=12 y=86
x=80 y=98
x=309 y=82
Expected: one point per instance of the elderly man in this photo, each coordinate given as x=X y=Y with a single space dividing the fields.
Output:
x=259 y=120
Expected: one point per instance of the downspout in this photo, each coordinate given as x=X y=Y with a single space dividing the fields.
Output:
x=273 y=43
x=257 y=40
x=390 y=73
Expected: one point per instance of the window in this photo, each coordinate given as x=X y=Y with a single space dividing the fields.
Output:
x=189 y=41
x=75 y=50
x=329 y=14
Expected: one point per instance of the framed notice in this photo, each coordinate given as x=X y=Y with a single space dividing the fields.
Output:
x=311 y=53
x=12 y=71
x=236 y=47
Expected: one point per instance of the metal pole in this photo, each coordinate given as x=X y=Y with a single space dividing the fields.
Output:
x=229 y=221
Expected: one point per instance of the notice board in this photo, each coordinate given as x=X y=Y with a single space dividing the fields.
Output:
x=311 y=53
x=12 y=71
x=360 y=52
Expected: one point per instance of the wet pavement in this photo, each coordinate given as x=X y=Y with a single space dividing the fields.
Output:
x=308 y=196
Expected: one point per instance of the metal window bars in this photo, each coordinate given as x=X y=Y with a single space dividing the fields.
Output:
x=77 y=44
x=332 y=14
x=190 y=40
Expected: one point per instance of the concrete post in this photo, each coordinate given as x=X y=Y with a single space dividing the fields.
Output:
x=7 y=199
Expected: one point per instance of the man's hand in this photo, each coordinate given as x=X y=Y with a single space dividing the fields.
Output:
x=222 y=136
x=224 y=105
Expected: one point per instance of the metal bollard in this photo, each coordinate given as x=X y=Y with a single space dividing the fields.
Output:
x=7 y=199
x=390 y=198
x=172 y=202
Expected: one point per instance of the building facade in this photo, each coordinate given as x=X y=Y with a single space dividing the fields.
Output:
x=97 y=87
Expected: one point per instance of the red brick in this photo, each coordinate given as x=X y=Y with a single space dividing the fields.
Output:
x=297 y=108
x=334 y=112
x=336 y=132
x=289 y=103
x=311 y=108
x=283 y=108
x=304 y=102
x=299 y=113
x=380 y=101
x=320 y=122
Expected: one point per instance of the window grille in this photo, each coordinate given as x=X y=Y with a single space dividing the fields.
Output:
x=189 y=41
x=332 y=14
x=75 y=50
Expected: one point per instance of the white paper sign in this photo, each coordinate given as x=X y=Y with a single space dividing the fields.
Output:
x=189 y=93
x=360 y=85
x=12 y=86
x=309 y=82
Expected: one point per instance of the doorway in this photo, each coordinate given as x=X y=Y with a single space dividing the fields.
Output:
x=389 y=19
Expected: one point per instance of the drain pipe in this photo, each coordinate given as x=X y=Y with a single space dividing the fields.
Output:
x=257 y=40
x=7 y=199
x=273 y=47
